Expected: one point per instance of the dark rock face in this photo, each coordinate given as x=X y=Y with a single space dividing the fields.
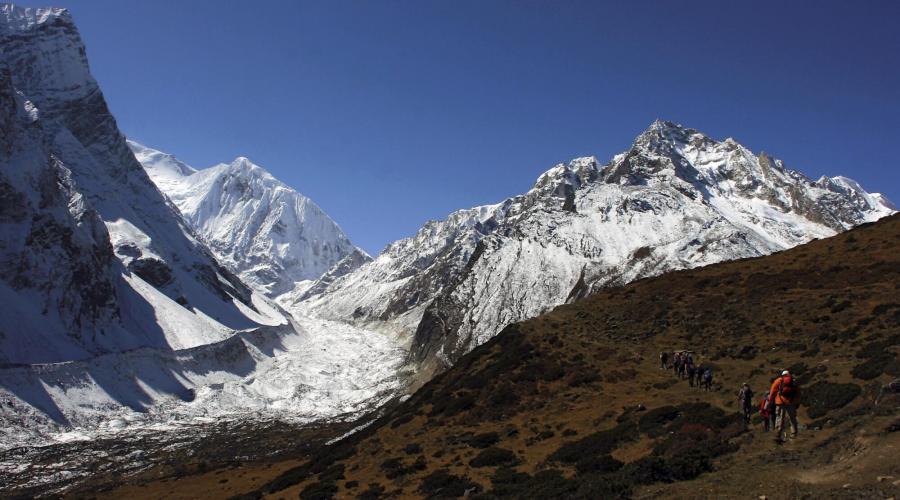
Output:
x=153 y=271
x=70 y=187
x=52 y=243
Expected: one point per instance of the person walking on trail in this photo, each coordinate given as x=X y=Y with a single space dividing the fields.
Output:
x=690 y=374
x=745 y=400
x=786 y=395
x=765 y=413
x=664 y=360
x=707 y=378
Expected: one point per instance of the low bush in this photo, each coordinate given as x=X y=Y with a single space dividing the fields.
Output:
x=493 y=456
x=822 y=397
x=598 y=443
x=654 y=421
x=403 y=419
x=319 y=491
x=332 y=473
x=599 y=463
x=374 y=492
x=484 y=440
x=442 y=484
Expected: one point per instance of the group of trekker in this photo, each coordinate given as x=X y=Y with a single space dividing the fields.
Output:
x=778 y=406
x=683 y=365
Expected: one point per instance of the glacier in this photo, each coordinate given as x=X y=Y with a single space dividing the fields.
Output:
x=144 y=295
x=117 y=315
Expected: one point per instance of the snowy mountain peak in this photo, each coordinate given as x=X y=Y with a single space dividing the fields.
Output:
x=15 y=18
x=260 y=228
x=675 y=199
x=166 y=169
x=95 y=260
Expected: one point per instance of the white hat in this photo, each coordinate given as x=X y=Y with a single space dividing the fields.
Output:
x=785 y=372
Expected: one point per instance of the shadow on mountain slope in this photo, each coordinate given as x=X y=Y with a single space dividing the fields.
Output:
x=573 y=404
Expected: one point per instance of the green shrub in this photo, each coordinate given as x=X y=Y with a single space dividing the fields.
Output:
x=493 y=456
x=394 y=467
x=332 y=473
x=598 y=443
x=484 y=440
x=875 y=366
x=401 y=420
x=822 y=397
x=598 y=463
x=654 y=421
x=374 y=492
x=442 y=484
x=319 y=491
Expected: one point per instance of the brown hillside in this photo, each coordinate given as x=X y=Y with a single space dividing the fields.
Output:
x=573 y=404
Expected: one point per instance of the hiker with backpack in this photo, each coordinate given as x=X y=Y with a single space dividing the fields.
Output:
x=707 y=379
x=745 y=400
x=786 y=396
x=664 y=360
x=690 y=374
x=765 y=413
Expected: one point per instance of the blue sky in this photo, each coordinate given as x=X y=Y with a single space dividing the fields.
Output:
x=389 y=113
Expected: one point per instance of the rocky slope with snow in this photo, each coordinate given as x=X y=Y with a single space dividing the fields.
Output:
x=676 y=199
x=259 y=228
x=120 y=270
x=116 y=317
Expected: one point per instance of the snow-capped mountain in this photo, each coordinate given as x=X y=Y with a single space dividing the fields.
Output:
x=267 y=233
x=676 y=199
x=115 y=315
x=95 y=258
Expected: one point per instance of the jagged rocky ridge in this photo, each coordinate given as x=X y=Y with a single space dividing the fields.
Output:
x=95 y=258
x=676 y=199
x=116 y=317
x=261 y=229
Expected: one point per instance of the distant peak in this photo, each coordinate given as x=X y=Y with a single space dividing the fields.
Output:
x=245 y=167
x=244 y=163
x=15 y=18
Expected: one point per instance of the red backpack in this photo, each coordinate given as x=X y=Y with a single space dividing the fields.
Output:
x=787 y=388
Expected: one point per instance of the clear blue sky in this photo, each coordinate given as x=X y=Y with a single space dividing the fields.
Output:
x=388 y=113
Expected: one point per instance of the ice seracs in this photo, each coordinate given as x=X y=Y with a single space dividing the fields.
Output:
x=269 y=234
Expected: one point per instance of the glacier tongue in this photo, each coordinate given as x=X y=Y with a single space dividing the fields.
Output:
x=314 y=369
x=267 y=233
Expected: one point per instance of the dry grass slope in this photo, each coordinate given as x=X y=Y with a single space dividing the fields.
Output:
x=572 y=404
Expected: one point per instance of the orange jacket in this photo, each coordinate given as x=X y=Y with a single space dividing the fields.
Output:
x=781 y=399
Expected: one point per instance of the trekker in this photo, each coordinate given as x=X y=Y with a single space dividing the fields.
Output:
x=690 y=374
x=786 y=395
x=745 y=401
x=764 y=412
x=707 y=379
x=664 y=360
